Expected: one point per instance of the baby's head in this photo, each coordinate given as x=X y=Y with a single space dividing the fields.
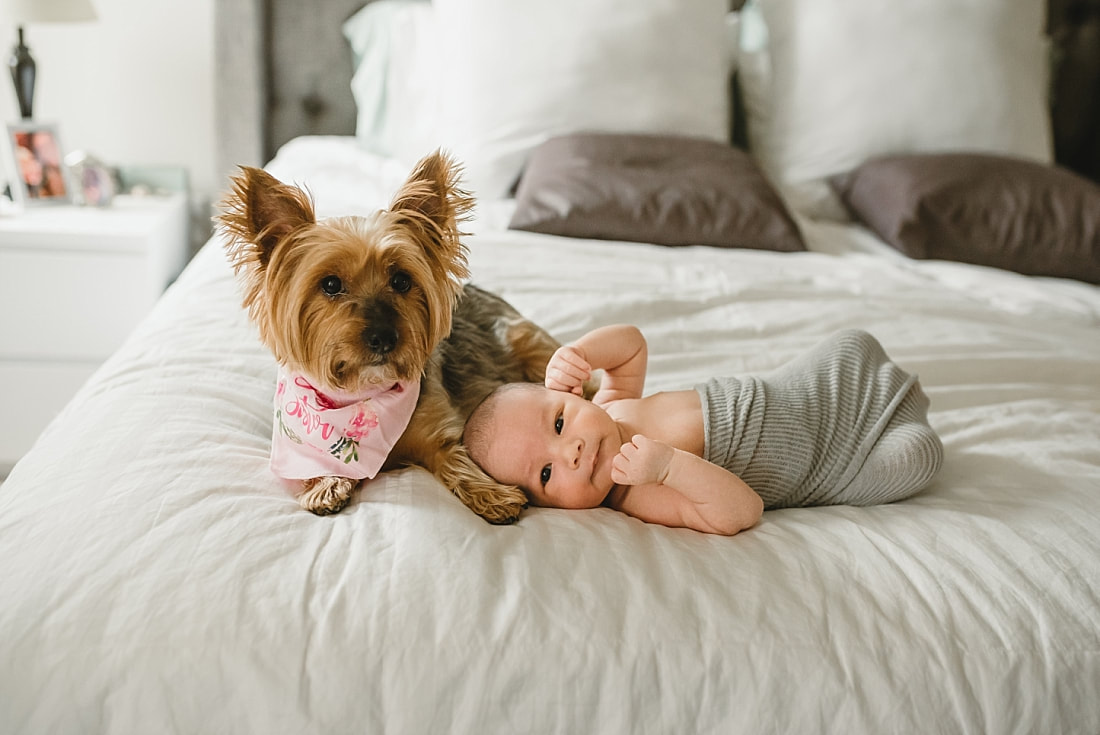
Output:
x=556 y=446
x=482 y=426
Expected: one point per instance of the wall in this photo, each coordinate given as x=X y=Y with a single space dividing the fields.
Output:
x=135 y=86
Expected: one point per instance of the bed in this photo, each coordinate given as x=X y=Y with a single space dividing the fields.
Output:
x=157 y=578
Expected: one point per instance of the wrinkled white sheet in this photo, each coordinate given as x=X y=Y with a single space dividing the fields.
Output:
x=154 y=577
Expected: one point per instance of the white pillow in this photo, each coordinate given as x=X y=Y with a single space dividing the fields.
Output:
x=828 y=85
x=396 y=81
x=522 y=71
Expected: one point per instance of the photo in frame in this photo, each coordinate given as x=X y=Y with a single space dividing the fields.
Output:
x=94 y=182
x=37 y=171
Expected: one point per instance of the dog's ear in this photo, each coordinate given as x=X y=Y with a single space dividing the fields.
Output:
x=432 y=205
x=259 y=212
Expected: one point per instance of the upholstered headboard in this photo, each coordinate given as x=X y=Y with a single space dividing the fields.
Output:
x=1074 y=27
x=284 y=69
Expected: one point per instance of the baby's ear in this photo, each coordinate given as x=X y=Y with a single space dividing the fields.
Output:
x=258 y=213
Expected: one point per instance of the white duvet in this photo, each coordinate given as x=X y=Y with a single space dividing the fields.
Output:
x=155 y=577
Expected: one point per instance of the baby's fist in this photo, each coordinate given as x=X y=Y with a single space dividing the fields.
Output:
x=567 y=370
x=641 y=461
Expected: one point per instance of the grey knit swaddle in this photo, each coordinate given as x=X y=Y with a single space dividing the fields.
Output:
x=841 y=424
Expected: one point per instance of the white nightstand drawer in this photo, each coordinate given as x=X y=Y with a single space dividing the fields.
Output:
x=38 y=390
x=74 y=282
x=127 y=225
x=71 y=305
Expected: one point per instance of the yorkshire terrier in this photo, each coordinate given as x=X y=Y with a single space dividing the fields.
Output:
x=372 y=327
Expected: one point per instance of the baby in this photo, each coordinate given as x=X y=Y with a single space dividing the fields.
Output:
x=840 y=425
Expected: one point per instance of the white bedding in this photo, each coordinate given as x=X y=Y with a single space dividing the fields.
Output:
x=154 y=576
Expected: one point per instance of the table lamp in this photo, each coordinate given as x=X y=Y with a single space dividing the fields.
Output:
x=22 y=64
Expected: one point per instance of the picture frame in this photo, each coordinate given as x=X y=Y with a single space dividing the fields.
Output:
x=95 y=183
x=36 y=165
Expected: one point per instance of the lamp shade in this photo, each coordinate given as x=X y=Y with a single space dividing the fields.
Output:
x=46 y=11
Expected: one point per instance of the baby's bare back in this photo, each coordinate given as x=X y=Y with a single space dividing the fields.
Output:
x=673 y=417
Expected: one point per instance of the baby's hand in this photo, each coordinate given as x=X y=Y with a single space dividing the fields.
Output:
x=567 y=370
x=641 y=461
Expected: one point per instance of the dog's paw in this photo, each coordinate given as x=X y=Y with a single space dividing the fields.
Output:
x=327 y=495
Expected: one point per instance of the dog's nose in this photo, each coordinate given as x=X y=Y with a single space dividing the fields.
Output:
x=380 y=340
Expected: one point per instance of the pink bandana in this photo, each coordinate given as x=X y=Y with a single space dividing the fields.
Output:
x=339 y=435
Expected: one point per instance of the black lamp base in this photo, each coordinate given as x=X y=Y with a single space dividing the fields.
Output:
x=22 y=75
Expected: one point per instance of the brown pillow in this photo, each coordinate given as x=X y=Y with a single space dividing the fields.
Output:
x=669 y=190
x=989 y=210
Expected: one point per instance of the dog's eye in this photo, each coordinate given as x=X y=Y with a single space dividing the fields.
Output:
x=332 y=285
x=400 y=282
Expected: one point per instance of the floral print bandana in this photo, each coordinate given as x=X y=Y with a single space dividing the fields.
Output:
x=331 y=434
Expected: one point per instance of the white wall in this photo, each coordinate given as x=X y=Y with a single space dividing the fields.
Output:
x=135 y=86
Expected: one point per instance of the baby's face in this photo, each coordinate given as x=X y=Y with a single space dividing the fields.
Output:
x=557 y=446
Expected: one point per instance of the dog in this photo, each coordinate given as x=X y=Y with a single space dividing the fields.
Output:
x=371 y=316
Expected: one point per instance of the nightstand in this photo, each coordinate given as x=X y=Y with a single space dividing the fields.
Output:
x=74 y=281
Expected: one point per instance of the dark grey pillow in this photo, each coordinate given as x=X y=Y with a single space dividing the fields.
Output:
x=668 y=190
x=1007 y=213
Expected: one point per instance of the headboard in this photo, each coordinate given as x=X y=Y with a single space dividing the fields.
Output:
x=1074 y=28
x=284 y=69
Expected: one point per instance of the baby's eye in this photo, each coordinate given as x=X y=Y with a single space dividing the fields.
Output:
x=544 y=477
x=559 y=424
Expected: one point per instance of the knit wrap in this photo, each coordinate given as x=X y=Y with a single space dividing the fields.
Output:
x=842 y=424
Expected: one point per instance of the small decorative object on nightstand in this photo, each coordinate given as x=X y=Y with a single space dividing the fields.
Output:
x=94 y=182
x=74 y=281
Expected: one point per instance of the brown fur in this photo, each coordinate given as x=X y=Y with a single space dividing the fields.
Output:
x=459 y=340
